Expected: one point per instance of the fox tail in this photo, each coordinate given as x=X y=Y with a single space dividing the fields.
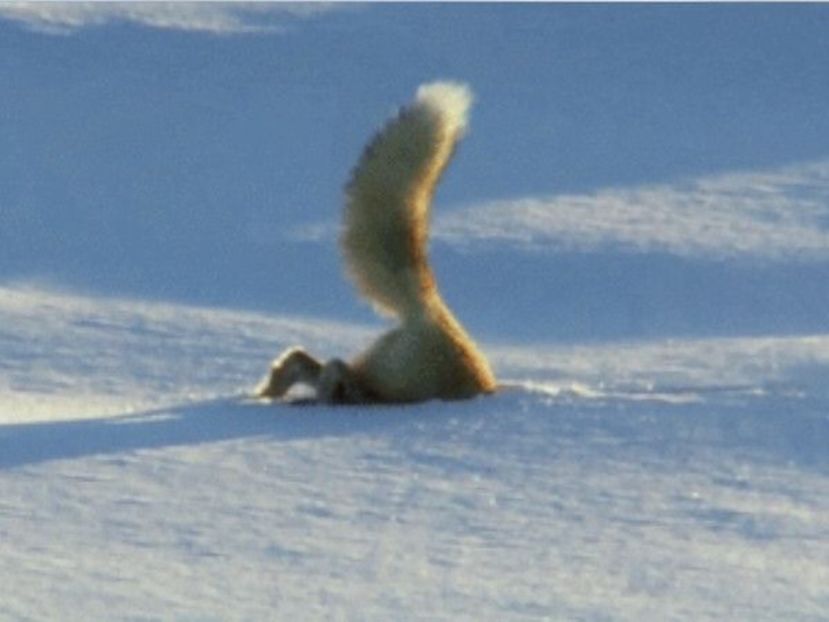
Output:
x=389 y=196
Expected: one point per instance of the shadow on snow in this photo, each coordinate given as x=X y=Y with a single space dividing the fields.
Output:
x=535 y=428
x=223 y=419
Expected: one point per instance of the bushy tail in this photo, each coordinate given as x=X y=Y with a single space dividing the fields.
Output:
x=389 y=197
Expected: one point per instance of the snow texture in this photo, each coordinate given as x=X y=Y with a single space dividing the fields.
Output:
x=774 y=214
x=670 y=481
x=62 y=18
x=635 y=230
x=780 y=214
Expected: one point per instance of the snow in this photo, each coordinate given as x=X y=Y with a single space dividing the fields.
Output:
x=58 y=18
x=768 y=214
x=635 y=230
x=667 y=481
x=771 y=214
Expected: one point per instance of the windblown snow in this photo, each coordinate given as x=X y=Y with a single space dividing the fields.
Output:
x=682 y=480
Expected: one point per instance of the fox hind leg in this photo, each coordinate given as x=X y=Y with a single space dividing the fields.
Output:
x=334 y=382
x=293 y=366
x=339 y=385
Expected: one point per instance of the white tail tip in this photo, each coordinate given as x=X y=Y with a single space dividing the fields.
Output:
x=450 y=100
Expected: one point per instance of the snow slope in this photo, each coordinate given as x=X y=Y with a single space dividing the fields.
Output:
x=643 y=481
x=636 y=230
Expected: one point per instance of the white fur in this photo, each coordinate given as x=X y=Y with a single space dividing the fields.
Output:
x=451 y=101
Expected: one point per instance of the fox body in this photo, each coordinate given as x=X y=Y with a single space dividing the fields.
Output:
x=385 y=242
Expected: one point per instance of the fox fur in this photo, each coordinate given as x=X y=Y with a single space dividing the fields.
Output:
x=385 y=243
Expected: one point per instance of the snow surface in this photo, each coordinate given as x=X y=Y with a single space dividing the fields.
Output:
x=643 y=481
x=636 y=231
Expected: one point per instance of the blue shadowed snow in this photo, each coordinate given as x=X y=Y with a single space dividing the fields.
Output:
x=174 y=165
x=635 y=229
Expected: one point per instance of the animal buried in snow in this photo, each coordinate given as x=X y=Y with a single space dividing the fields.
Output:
x=384 y=241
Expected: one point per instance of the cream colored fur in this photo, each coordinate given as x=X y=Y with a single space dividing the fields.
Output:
x=385 y=239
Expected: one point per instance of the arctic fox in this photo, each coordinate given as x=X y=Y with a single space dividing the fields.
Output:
x=384 y=242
